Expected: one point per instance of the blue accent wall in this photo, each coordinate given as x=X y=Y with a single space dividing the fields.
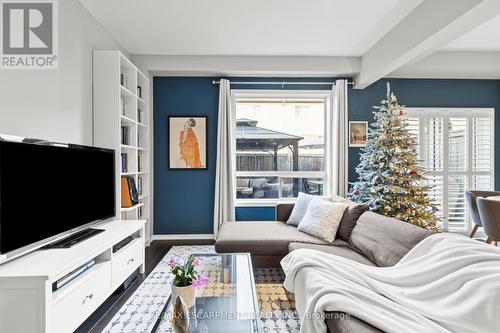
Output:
x=184 y=199
x=267 y=213
x=427 y=93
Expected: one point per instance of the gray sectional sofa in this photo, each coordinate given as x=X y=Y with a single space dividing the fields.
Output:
x=372 y=239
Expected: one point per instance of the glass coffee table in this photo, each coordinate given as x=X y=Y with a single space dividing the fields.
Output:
x=228 y=303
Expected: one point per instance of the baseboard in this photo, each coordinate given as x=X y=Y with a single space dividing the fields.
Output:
x=183 y=237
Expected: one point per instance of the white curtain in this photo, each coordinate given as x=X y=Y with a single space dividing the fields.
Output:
x=338 y=138
x=226 y=164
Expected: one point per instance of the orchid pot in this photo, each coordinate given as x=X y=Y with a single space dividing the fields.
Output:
x=186 y=279
x=186 y=293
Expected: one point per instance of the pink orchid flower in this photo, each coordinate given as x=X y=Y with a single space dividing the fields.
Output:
x=172 y=262
x=200 y=281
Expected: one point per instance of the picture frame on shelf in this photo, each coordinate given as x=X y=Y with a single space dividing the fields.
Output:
x=187 y=143
x=358 y=133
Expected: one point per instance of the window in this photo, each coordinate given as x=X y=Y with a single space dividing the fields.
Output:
x=455 y=147
x=280 y=145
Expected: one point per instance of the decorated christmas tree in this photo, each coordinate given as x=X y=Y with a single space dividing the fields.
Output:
x=389 y=177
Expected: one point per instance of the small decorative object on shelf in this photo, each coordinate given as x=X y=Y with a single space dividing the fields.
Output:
x=139 y=92
x=129 y=192
x=139 y=115
x=186 y=279
x=124 y=80
x=122 y=106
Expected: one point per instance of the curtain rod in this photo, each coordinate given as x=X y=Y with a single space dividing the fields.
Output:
x=283 y=83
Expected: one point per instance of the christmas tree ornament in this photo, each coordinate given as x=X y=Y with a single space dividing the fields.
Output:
x=389 y=177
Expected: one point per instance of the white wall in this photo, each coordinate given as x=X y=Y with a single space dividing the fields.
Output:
x=57 y=104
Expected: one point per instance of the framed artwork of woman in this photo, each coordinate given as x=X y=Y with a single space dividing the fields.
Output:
x=187 y=146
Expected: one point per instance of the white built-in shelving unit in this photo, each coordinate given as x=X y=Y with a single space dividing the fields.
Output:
x=121 y=103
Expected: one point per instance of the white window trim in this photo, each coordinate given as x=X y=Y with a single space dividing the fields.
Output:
x=469 y=114
x=327 y=96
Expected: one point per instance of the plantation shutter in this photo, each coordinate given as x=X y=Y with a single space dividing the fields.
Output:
x=455 y=148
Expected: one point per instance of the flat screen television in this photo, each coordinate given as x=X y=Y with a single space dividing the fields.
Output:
x=48 y=190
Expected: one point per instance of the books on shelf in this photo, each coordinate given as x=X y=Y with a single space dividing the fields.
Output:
x=124 y=162
x=125 y=138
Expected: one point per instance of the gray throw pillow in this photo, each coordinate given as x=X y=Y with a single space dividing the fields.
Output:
x=351 y=216
x=322 y=219
x=300 y=208
x=384 y=240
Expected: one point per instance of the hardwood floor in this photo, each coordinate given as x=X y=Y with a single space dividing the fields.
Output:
x=154 y=253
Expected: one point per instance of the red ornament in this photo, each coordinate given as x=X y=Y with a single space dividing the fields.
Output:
x=356 y=192
x=413 y=173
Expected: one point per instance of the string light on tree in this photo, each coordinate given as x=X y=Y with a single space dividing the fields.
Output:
x=389 y=178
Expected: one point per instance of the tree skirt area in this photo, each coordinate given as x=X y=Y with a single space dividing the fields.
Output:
x=140 y=312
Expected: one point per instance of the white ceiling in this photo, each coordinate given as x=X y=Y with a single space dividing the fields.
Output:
x=251 y=28
x=486 y=37
x=363 y=39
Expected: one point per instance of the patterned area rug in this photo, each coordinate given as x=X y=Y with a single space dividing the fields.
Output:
x=140 y=312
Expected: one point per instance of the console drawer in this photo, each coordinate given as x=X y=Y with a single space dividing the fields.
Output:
x=126 y=260
x=75 y=307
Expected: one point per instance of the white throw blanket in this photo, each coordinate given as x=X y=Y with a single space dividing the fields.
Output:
x=447 y=283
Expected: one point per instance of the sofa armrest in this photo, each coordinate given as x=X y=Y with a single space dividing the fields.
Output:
x=283 y=211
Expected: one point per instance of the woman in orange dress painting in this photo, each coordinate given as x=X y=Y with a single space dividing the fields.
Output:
x=188 y=145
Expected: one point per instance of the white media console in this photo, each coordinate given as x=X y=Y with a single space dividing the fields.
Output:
x=27 y=302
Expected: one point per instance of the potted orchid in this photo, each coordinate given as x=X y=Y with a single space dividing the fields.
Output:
x=186 y=279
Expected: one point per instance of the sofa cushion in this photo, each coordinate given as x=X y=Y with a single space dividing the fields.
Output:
x=283 y=211
x=351 y=216
x=322 y=219
x=260 y=237
x=339 y=248
x=385 y=240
